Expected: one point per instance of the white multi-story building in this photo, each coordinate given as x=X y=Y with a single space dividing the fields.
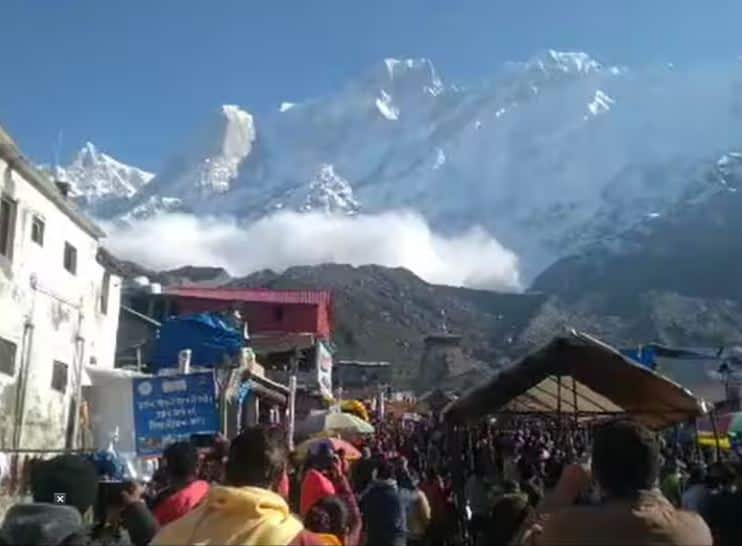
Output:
x=58 y=307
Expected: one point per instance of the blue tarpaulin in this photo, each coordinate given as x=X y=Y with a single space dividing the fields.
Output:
x=646 y=356
x=209 y=338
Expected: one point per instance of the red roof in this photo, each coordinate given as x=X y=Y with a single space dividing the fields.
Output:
x=256 y=295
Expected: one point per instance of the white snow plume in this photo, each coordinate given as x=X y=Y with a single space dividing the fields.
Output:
x=285 y=239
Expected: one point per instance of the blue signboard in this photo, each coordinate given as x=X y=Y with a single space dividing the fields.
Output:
x=172 y=408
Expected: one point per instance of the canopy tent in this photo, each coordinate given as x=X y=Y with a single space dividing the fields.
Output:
x=583 y=377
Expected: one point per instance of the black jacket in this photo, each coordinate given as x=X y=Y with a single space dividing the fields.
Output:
x=383 y=514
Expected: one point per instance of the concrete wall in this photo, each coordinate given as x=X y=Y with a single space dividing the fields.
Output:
x=59 y=312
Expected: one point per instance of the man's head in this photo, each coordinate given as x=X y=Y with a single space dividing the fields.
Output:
x=321 y=456
x=697 y=475
x=626 y=458
x=510 y=487
x=385 y=470
x=257 y=457
x=181 y=461
x=508 y=514
x=71 y=476
x=330 y=516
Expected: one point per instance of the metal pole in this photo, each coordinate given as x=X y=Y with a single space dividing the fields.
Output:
x=292 y=411
x=574 y=403
x=78 y=392
x=23 y=373
x=712 y=414
x=139 y=358
x=184 y=361
x=381 y=408
x=559 y=407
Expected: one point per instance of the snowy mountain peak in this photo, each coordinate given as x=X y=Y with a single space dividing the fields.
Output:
x=88 y=152
x=95 y=177
x=330 y=193
x=552 y=62
x=417 y=74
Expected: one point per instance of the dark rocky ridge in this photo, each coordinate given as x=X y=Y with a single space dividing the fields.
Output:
x=673 y=279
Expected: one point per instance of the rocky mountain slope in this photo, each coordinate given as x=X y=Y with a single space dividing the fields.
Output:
x=384 y=314
x=679 y=269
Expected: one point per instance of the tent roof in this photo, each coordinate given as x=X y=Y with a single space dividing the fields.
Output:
x=580 y=375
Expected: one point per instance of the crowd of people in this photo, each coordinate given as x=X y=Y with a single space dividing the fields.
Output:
x=517 y=482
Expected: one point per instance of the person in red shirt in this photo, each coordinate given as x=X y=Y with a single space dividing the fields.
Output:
x=184 y=491
x=316 y=484
x=438 y=498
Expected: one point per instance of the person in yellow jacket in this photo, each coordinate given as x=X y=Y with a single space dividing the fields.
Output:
x=247 y=510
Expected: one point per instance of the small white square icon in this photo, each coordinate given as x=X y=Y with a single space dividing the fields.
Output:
x=60 y=498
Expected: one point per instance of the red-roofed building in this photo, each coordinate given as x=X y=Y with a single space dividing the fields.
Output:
x=266 y=311
x=287 y=328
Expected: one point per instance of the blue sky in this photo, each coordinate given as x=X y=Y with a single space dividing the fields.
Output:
x=137 y=76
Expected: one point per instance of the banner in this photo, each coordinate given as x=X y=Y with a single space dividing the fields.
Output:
x=324 y=370
x=172 y=408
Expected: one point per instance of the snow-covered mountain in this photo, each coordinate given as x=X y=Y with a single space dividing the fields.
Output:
x=548 y=155
x=94 y=175
x=97 y=179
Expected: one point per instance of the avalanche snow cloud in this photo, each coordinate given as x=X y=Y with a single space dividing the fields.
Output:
x=281 y=240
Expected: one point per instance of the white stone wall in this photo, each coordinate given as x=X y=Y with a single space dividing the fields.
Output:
x=62 y=308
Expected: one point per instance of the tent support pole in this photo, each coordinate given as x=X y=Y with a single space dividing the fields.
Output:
x=574 y=401
x=559 y=406
x=717 y=453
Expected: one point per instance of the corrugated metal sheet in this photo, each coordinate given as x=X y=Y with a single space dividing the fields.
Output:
x=252 y=295
x=266 y=311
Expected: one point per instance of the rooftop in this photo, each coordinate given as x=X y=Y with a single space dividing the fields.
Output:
x=363 y=363
x=253 y=295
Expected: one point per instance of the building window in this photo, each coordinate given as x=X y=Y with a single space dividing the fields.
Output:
x=37 y=230
x=59 y=377
x=70 y=258
x=104 y=290
x=278 y=313
x=7 y=226
x=7 y=357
